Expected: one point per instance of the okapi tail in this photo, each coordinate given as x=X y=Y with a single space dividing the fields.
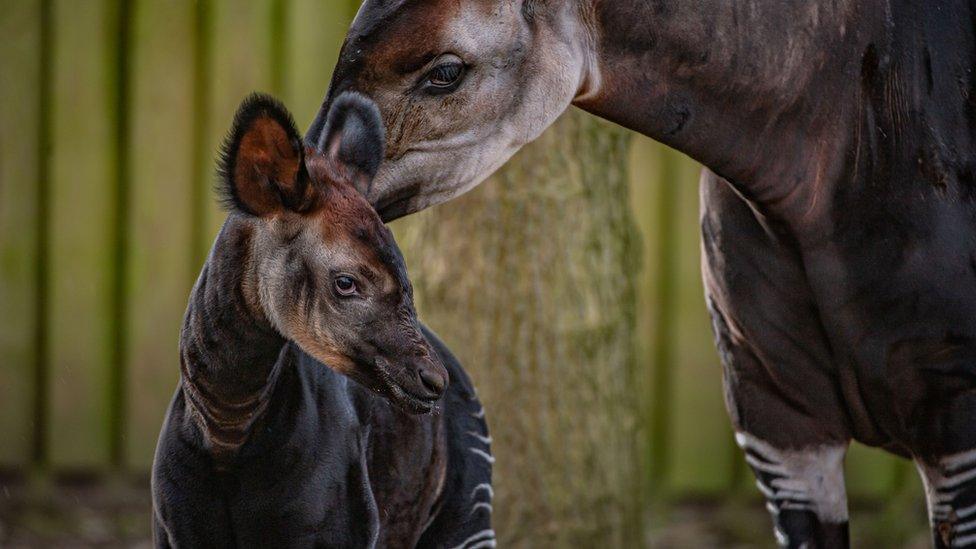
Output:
x=463 y=517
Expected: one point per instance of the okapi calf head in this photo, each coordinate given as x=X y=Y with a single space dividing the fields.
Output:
x=322 y=267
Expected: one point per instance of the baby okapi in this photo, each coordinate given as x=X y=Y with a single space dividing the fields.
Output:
x=265 y=447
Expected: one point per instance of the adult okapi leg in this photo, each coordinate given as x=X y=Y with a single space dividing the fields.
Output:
x=781 y=390
x=950 y=488
x=804 y=491
x=942 y=406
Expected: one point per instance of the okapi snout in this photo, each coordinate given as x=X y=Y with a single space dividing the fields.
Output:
x=415 y=383
x=433 y=378
x=327 y=273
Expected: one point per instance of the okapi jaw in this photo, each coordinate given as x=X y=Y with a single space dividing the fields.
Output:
x=302 y=257
x=461 y=86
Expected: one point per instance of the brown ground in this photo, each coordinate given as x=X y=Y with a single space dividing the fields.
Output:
x=85 y=512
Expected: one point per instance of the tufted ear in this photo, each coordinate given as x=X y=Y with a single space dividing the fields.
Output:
x=353 y=141
x=262 y=164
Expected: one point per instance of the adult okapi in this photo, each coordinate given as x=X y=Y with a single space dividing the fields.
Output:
x=838 y=214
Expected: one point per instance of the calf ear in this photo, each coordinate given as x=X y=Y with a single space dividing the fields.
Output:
x=353 y=141
x=262 y=162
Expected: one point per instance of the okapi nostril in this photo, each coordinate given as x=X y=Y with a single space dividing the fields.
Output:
x=433 y=381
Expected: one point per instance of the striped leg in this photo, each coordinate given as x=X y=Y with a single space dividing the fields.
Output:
x=804 y=491
x=950 y=488
x=781 y=386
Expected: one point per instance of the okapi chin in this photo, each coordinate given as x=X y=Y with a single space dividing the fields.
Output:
x=313 y=408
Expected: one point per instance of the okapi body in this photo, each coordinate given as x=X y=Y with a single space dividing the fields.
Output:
x=313 y=410
x=838 y=205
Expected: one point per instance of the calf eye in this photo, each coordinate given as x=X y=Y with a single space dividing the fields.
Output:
x=345 y=285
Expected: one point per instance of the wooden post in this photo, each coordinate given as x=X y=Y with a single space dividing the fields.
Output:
x=530 y=280
x=24 y=89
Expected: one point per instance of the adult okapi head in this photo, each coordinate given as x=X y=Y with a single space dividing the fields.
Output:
x=322 y=267
x=461 y=85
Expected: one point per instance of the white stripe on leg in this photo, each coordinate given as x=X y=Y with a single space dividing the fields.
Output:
x=811 y=479
x=950 y=486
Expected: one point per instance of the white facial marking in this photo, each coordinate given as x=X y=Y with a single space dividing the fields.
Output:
x=811 y=479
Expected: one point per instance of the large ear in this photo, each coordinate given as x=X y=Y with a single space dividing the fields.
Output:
x=353 y=140
x=262 y=165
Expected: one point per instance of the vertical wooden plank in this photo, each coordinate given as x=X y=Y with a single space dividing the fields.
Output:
x=240 y=64
x=644 y=193
x=160 y=223
x=278 y=42
x=315 y=31
x=200 y=140
x=20 y=25
x=700 y=424
x=118 y=407
x=663 y=349
x=687 y=423
x=81 y=250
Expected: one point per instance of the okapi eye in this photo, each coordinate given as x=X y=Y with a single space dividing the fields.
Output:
x=444 y=78
x=345 y=285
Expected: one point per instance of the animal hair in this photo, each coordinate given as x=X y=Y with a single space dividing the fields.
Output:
x=530 y=8
x=361 y=127
x=255 y=106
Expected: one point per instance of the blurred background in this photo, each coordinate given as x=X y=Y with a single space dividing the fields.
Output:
x=568 y=285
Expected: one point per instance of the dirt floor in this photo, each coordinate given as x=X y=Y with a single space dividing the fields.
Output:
x=74 y=513
x=81 y=513
x=746 y=524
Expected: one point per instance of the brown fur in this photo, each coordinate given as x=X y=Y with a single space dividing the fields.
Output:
x=256 y=167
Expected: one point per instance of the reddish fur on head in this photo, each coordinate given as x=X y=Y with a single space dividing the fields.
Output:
x=315 y=234
x=258 y=167
x=264 y=167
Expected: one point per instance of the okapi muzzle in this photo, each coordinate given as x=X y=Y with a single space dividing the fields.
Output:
x=320 y=266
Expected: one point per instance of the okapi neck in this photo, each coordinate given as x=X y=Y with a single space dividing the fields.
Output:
x=228 y=351
x=761 y=95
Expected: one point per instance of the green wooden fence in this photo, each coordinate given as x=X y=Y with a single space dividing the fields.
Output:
x=110 y=112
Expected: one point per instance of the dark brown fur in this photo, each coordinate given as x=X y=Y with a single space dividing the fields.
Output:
x=838 y=204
